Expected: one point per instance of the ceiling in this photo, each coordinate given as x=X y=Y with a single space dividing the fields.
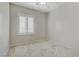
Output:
x=43 y=8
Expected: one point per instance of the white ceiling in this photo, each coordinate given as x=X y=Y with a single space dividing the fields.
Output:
x=33 y=5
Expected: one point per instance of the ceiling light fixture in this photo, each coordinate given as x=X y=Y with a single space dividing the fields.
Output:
x=43 y=3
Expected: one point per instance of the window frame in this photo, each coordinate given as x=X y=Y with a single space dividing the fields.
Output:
x=17 y=24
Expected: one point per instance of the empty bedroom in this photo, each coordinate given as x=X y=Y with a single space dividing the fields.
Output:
x=39 y=29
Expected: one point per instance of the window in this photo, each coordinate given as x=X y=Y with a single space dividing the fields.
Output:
x=25 y=24
x=30 y=24
x=22 y=24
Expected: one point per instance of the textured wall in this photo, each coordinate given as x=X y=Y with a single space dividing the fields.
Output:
x=64 y=25
x=40 y=25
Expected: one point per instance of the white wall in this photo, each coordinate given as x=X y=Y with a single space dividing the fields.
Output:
x=63 y=25
x=40 y=26
x=4 y=28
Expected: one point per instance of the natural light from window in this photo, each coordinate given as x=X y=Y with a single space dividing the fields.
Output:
x=25 y=24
